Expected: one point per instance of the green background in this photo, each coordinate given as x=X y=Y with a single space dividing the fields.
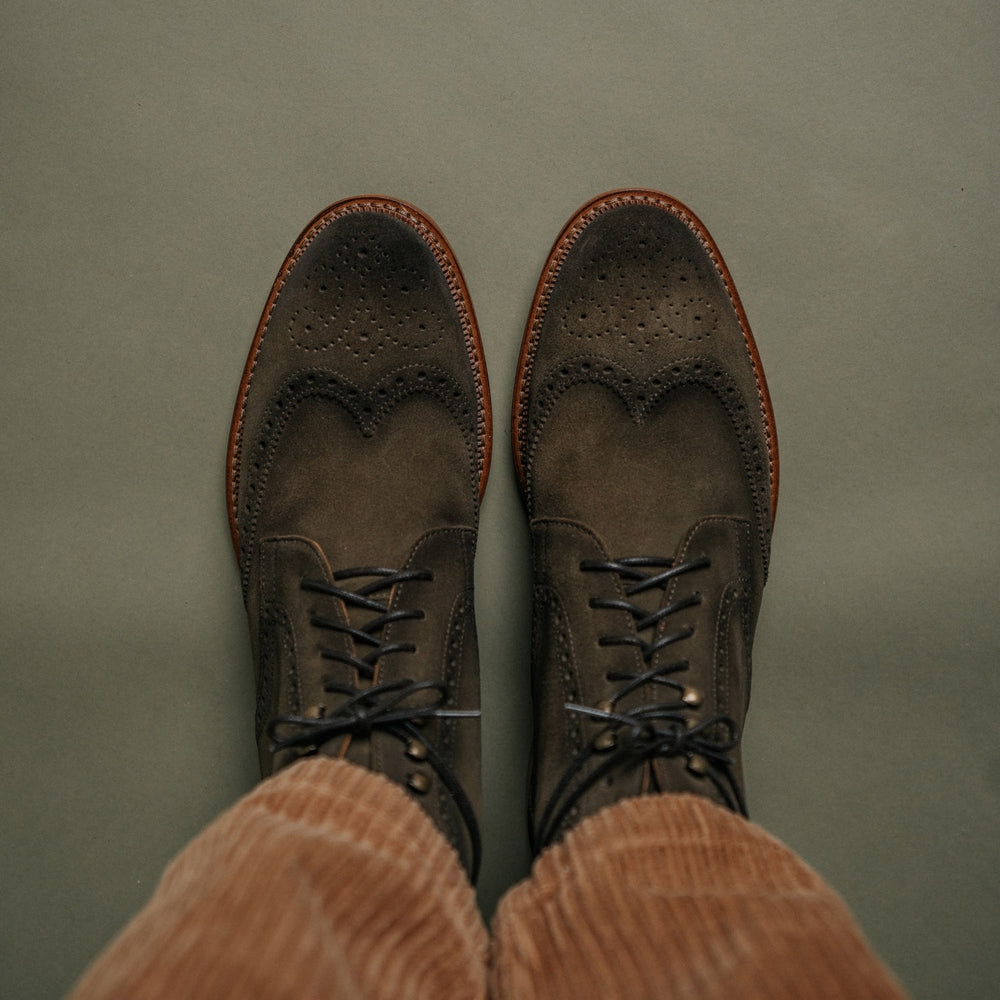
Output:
x=158 y=162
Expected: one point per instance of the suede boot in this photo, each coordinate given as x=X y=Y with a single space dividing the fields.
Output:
x=646 y=453
x=358 y=456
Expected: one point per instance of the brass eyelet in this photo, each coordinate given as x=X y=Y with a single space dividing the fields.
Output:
x=418 y=782
x=691 y=697
x=416 y=750
x=697 y=765
x=604 y=740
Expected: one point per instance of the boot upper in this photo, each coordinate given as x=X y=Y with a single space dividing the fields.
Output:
x=648 y=463
x=359 y=451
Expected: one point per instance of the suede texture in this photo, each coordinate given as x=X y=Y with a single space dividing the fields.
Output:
x=360 y=440
x=643 y=428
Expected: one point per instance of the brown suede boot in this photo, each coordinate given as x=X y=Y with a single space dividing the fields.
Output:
x=358 y=456
x=646 y=452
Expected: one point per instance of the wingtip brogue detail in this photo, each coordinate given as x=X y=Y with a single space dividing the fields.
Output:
x=384 y=325
x=669 y=316
x=365 y=408
x=641 y=394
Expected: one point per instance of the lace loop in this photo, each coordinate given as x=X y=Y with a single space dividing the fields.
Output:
x=381 y=708
x=396 y=708
x=662 y=729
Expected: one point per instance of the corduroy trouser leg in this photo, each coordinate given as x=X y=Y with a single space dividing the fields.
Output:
x=329 y=881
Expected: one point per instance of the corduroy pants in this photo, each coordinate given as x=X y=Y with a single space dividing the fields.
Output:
x=328 y=881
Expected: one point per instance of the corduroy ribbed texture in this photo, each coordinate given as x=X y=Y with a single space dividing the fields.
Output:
x=670 y=896
x=327 y=881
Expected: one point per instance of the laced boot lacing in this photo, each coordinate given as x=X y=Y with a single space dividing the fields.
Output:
x=398 y=708
x=654 y=729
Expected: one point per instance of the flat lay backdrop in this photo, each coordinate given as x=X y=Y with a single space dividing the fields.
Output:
x=158 y=162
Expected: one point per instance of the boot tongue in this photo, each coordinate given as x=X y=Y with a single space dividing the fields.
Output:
x=357 y=747
x=357 y=580
x=649 y=600
x=655 y=598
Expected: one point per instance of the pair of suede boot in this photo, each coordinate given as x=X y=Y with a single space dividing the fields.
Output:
x=645 y=449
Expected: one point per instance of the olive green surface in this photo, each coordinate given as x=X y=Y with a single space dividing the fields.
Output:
x=158 y=162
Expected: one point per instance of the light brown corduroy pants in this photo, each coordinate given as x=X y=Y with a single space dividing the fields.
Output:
x=328 y=881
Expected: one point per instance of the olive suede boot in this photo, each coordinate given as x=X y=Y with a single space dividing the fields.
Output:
x=358 y=456
x=646 y=453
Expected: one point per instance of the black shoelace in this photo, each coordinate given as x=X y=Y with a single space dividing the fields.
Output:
x=663 y=728
x=398 y=708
